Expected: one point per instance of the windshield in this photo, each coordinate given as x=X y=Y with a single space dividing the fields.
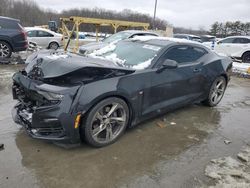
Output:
x=129 y=54
x=117 y=37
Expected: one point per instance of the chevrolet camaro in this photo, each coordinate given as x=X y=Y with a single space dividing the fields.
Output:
x=68 y=98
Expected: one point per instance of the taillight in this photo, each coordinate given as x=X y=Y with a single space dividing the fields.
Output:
x=23 y=32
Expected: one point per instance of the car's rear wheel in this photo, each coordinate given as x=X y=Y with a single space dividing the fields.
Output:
x=106 y=122
x=53 y=46
x=5 y=50
x=246 y=57
x=216 y=92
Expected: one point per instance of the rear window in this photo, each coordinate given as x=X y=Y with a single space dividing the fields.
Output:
x=8 y=24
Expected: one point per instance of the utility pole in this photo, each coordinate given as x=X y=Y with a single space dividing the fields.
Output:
x=154 y=14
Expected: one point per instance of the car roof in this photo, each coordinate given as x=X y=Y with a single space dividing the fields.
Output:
x=179 y=34
x=36 y=28
x=41 y=29
x=165 y=41
x=138 y=31
x=9 y=19
x=238 y=36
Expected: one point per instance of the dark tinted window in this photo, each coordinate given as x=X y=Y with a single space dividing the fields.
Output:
x=181 y=36
x=31 y=33
x=229 y=40
x=44 y=34
x=8 y=24
x=241 y=40
x=184 y=54
x=142 y=34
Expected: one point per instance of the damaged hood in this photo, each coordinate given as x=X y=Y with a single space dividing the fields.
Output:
x=46 y=65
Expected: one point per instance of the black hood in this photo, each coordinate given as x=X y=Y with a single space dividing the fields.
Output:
x=55 y=65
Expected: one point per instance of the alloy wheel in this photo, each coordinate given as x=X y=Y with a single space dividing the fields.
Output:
x=4 y=50
x=53 y=46
x=218 y=90
x=108 y=122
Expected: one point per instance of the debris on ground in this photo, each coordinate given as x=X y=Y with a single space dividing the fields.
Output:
x=241 y=69
x=172 y=123
x=161 y=124
x=227 y=142
x=1 y=147
x=20 y=57
x=244 y=155
x=229 y=172
x=193 y=137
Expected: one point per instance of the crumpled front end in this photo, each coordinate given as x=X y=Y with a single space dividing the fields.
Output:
x=45 y=111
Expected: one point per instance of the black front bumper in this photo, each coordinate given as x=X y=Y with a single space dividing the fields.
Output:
x=53 y=122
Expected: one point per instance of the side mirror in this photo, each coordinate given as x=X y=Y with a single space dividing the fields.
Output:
x=167 y=64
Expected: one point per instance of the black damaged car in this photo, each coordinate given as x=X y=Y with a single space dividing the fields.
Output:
x=68 y=98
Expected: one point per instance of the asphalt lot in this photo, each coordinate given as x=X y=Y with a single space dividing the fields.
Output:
x=148 y=155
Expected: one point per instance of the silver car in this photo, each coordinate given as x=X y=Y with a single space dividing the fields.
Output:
x=44 y=38
x=88 y=48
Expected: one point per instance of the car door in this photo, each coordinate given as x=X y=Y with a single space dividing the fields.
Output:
x=171 y=88
x=239 y=45
x=225 y=46
x=31 y=35
x=43 y=38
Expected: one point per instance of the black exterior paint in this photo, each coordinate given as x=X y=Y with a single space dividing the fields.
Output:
x=148 y=92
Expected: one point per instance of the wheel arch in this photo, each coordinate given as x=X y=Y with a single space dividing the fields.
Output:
x=8 y=42
x=248 y=51
x=53 y=41
x=117 y=95
x=226 y=77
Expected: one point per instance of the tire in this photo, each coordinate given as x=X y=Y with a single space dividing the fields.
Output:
x=246 y=57
x=53 y=45
x=5 y=50
x=216 y=91
x=105 y=122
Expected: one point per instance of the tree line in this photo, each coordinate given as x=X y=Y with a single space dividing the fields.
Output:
x=31 y=14
x=222 y=30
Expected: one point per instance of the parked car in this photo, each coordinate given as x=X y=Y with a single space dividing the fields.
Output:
x=12 y=37
x=66 y=97
x=235 y=46
x=44 y=37
x=114 y=38
x=188 y=37
x=208 y=38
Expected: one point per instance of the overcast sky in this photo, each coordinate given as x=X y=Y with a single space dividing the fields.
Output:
x=185 y=13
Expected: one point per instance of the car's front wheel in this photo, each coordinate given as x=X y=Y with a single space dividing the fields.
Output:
x=217 y=91
x=105 y=122
x=5 y=50
x=246 y=57
x=53 y=46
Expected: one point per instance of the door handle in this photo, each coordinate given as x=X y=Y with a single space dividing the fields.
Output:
x=196 y=70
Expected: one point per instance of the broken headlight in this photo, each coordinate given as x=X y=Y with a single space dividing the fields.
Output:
x=51 y=96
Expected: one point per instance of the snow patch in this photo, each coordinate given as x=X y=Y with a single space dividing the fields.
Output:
x=55 y=57
x=143 y=65
x=229 y=172
x=109 y=48
x=113 y=57
x=241 y=67
x=147 y=38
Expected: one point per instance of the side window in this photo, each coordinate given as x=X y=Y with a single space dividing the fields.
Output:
x=44 y=34
x=229 y=40
x=31 y=33
x=241 y=41
x=184 y=54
